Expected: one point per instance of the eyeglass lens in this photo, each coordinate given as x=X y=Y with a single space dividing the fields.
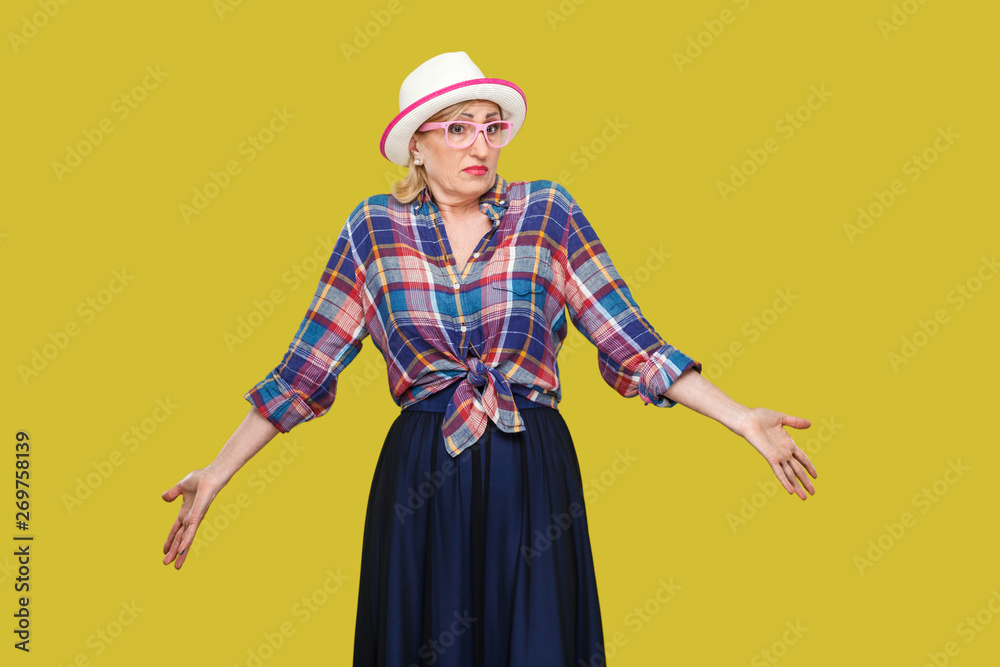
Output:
x=461 y=134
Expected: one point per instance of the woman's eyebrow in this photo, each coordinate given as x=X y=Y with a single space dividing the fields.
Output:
x=489 y=115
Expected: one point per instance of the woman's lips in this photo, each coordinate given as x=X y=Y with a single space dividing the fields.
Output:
x=476 y=171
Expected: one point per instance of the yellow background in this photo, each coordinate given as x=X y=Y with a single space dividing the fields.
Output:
x=667 y=517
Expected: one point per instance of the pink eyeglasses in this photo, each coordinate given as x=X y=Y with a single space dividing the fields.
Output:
x=462 y=133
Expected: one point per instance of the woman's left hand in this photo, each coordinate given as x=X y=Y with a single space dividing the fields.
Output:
x=763 y=429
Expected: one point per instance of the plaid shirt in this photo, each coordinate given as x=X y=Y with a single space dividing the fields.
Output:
x=496 y=328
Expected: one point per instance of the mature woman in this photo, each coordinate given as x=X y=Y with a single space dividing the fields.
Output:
x=463 y=281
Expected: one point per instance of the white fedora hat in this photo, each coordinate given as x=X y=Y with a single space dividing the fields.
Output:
x=438 y=83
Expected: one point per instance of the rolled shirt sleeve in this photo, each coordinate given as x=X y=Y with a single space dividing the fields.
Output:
x=631 y=355
x=303 y=386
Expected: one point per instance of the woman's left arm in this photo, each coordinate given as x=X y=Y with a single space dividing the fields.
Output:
x=761 y=427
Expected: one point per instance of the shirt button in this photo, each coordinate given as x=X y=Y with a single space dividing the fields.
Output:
x=463 y=329
x=456 y=285
x=475 y=254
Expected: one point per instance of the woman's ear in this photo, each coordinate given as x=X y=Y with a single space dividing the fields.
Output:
x=413 y=149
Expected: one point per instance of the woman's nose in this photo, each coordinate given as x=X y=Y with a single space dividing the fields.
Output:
x=479 y=145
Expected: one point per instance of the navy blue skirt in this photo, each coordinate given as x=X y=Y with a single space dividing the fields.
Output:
x=479 y=560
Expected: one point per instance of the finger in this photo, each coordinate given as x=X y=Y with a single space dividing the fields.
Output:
x=184 y=546
x=182 y=558
x=800 y=473
x=171 y=553
x=177 y=547
x=791 y=476
x=178 y=531
x=780 y=474
x=182 y=517
x=198 y=510
x=175 y=543
x=795 y=422
x=170 y=494
x=170 y=537
x=178 y=553
x=804 y=460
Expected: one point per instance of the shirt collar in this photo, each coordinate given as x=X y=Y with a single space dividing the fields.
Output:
x=493 y=203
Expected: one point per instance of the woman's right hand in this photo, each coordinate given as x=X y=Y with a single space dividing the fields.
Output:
x=199 y=489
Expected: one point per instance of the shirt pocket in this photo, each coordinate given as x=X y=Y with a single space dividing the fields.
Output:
x=519 y=270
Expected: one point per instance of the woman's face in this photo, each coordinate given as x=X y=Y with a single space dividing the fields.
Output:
x=452 y=173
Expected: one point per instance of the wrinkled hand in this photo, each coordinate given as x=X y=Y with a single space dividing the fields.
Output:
x=199 y=490
x=763 y=429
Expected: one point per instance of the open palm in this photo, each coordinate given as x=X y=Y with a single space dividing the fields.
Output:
x=764 y=430
x=198 y=490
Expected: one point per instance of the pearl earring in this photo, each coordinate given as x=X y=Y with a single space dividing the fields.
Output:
x=416 y=161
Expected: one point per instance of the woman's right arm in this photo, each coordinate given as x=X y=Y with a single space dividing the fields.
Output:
x=302 y=387
x=199 y=487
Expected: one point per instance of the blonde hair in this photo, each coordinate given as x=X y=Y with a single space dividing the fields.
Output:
x=409 y=187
